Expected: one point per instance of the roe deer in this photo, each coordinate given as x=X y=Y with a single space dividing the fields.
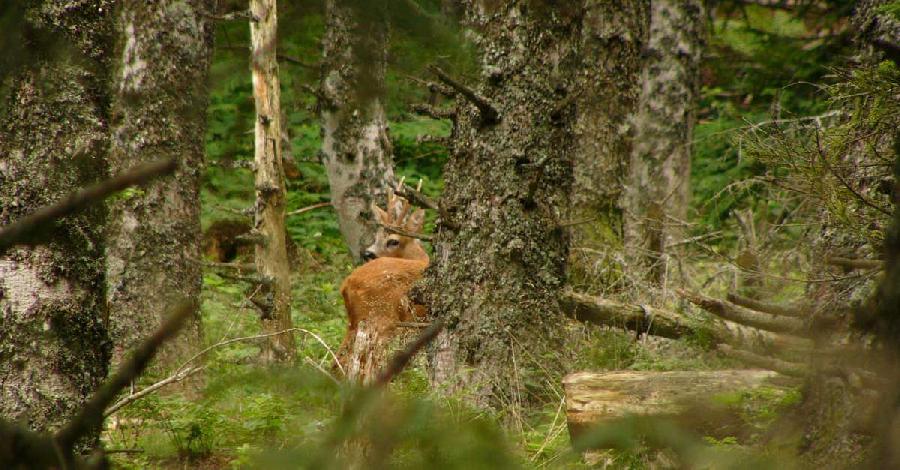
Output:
x=375 y=294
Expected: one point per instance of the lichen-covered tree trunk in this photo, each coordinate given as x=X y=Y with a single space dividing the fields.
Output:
x=271 y=249
x=658 y=187
x=355 y=144
x=612 y=37
x=158 y=111
x=54 y=347
x=501 y=252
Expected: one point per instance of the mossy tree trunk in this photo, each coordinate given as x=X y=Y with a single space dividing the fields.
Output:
x=612 y=37
x=54 y=347
x=658 y=187
x=271 y=249
x=501 y=253
x=355 y=144
x=158 y=111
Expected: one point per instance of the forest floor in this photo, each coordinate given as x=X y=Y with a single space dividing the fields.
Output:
x=237 y=413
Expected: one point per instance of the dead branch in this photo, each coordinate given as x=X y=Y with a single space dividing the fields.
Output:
x=295 y=61
x=32 y=228
x=849 y=263
x=402 y=358
x=791 y=369
x=308 y=208
x=660 y=322
x=416 y=197
x=231 y=16
x=236 y=266
x=742 y=315
x=133 y=397
x=766 y=307
x=488 y=112
x=432 y=111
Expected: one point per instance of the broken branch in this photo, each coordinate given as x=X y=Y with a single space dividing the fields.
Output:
x=735 y=313
x=766 y=307
x=308 y=208
x=488 y=112
x=433 y=112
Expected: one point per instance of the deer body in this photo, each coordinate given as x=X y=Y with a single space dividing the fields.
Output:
x=376 y=293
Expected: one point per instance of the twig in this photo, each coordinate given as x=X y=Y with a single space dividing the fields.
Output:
x=488 y=112
x=91 y=415
x=320 y=369
x=231 y=16
x=308 y=208
x=433 y=87
x=402 y=358
x=29 y=229
x=129 y=399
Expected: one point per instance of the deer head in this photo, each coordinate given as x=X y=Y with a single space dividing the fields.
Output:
x=393 y=245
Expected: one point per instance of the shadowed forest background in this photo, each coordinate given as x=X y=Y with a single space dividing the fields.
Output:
x=662 y=234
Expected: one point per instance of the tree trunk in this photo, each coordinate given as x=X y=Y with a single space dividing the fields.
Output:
x=355 y=143
x=658 y=188
x=612 y=37
x=158 y=111
x=54 y=347
x=271 y=251
x=501 y=254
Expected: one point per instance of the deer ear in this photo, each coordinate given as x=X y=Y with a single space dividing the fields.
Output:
x=380 y=215
x=416 y=221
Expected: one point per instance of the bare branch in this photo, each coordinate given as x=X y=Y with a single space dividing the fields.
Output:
x=488 y=112
x=31 y=228
x=767 y=307
x=131 y=398
x=742 y=315
x=295 y=61
x=308 y=208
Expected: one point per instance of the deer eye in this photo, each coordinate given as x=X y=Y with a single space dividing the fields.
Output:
x=393 y=242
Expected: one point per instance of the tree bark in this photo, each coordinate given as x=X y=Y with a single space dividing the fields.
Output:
x=658 y=189
x=271 y=250
x=500 y=257
x=355 y=143
x=158 y=110
x=54 y=347
x=612 y=37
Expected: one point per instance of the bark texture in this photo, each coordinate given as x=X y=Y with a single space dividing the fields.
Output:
x=271 y=248
x=612 y=37
x=356 y=147
x=658 y=188
x=54 y=346
x=501 y=254
x=158 y=110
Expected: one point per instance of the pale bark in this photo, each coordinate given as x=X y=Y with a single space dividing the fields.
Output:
x=54 y=347
x=271 y=250
x=594 y=398
x=658 y=187
x=158 y=110
x=612 y=37
x=500 y=254
x=356 y=147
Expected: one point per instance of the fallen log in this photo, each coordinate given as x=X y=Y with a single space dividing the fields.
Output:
x=659 y=322
x=766 y=307
x=594 y=398
x=791 y=369
x=744 y=316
